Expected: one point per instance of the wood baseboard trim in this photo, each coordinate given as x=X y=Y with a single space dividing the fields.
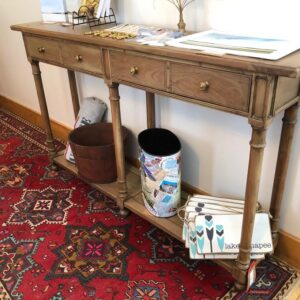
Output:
x=59 y=130
x=288 y=249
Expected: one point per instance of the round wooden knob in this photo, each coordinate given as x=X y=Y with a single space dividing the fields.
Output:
x=134 y=70
x=41 y=49
x=204 y=85
x=78 y=58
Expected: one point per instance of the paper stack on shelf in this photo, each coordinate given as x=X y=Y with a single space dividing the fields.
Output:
x=212 y=229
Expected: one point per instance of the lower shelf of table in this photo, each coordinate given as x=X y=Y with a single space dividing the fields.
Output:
x=171 y=225
x=109 y=189
x=134 y=203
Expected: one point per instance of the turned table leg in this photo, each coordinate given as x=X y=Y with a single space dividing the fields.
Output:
x=257 y=144
x=118 y=140
x=288 y=126
x=150 y=105
x=74 y=93
x=44 y=110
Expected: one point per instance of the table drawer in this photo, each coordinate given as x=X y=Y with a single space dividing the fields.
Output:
x=227 y=89
x=43 y=49
x=137 y=69
x=82 y=57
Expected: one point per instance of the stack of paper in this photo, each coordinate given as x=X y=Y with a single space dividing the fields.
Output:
x=146 y=35
x=212 y=229
x=103 y=8
x=156 y=36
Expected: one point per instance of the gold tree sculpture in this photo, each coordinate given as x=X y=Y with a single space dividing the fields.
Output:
x=181 y=5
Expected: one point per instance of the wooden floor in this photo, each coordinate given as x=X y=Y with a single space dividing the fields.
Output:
x=172 y=225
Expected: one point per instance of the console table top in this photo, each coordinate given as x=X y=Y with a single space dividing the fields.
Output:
x=289 y=66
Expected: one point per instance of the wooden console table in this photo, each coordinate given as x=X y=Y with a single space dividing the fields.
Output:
x=253 y=88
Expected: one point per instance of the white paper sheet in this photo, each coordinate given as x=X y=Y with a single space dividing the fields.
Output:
x=100 y=8
x=104 y=8
x=216 y=42
x=108 y=7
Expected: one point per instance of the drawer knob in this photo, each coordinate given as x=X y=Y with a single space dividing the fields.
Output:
x=204 y=85
x=41 y=50
x=134 y=70
x=78 y=58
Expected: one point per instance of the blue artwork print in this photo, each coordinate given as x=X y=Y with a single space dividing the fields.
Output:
x=209 y=230
x=220 y=236
x=200 y=237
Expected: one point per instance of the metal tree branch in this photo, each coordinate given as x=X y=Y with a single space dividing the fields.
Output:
x=180 y=5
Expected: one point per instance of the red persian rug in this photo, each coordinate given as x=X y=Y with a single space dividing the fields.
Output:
x=61 y=239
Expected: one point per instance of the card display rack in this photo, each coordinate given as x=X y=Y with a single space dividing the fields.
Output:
x=84 y=15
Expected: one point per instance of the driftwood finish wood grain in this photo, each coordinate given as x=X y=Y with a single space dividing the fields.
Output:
x=114 y=99
x=288 y=66
x=253 y=88
x=137 y=69
x=74 y=92
x=226 y=89
x=81 y=57
x=257 y=144
x=44 y=109
x=289 y=121
x=150 y=108
x=43 y=49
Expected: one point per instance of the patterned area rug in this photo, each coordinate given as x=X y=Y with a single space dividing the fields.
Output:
x=61 y=239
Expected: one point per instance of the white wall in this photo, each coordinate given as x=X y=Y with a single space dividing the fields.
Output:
x=215 y=144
